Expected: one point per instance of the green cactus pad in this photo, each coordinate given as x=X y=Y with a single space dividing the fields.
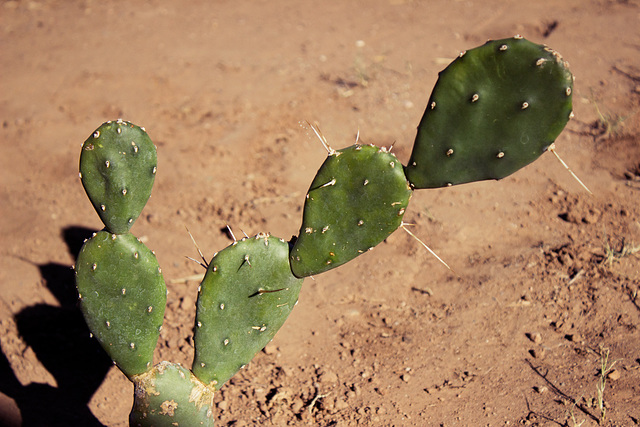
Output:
x=243 y=300
x=494 y=110
x=356 y=200
x=123 y=297
x=117 y=169
x=170 y=395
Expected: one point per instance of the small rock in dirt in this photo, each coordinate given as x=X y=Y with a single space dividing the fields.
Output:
x=357 y=389
x=538 y=353
x=328 y=377
x=327 y=404
x=405 y=377
x=535 y=337
x=297 y=405
x=270 y=348
x=572 y=337
x=614 y=375
x=381 y=391
x=541 y=389
x=187 y=303
x=340 y=405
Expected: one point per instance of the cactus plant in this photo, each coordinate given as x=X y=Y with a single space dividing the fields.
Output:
x=494 y=110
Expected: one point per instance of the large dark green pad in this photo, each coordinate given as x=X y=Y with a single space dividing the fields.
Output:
x=123 y=297
x=244 y=298
x=494 y=110
x=356 y=200
x=117 y=169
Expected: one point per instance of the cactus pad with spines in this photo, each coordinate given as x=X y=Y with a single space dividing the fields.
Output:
x=117 y=168
x=356 y=200
x=123 y=297
x=170 y=395
x=244 y=298
x=494 y=110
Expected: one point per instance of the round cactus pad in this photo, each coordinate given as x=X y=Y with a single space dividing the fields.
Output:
x=494 y=110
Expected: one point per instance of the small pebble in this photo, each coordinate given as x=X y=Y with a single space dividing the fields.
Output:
x=297 y=405
x=341 y=404
x=535 y=337
x=328 y=377
x=614 y=375
x=541 y=389
x=270 y=348
x=538 y=353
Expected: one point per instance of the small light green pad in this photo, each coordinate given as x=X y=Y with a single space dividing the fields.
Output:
x=494 y=110
x=244 y=299
x=356 y=200
x=170 y=395
x=123 y=297
x=117 y=168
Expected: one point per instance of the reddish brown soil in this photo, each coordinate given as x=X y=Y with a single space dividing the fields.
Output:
x=224 y=88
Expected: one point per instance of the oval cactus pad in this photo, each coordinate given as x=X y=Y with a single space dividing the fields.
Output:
x=356 y=200
x=494 y=110
x=170 y=395
x=244 y=299
x=123 y=297
x=117 y=168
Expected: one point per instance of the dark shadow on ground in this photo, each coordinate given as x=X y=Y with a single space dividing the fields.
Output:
x=61 y=340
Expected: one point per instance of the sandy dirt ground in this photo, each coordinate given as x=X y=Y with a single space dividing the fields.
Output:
x=546 y=276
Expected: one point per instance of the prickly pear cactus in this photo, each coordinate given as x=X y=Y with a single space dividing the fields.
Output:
x=117 y=169
x=245 y=297
x=123 y=297
x=494 y=110
x=357 y=199
x=170 y=395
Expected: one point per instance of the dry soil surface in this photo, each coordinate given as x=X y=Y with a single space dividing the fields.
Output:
x=546 y=275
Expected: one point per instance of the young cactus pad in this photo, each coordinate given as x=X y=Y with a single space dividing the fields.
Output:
x=244 y=298
x=170 y=395
x=494 y=110
x=122 y=297
x=117 y=169
x=356 y=200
